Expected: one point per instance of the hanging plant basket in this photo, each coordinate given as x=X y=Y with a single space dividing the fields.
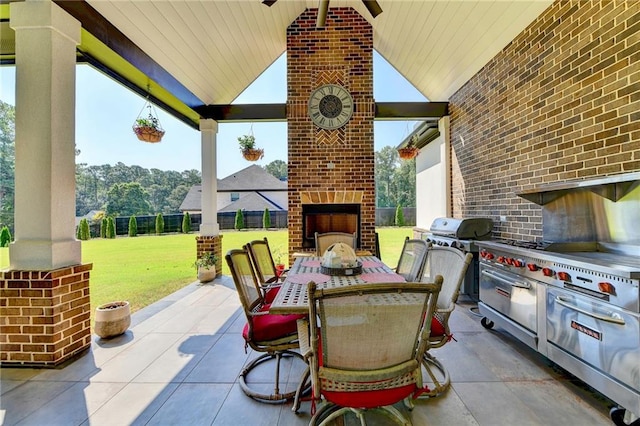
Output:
x=148 y=129
x=148 y=134
x=248 y=147
x=408 y=152
x=253 y=154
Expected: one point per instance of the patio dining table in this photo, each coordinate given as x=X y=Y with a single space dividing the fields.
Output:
x=292 y=296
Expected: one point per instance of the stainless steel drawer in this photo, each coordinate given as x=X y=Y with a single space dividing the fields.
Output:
x=602 y=335
x=512 y=295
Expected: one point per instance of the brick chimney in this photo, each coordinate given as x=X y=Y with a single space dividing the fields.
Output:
x=331 y=167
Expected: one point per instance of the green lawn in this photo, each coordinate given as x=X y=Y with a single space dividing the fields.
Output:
x=144 y=269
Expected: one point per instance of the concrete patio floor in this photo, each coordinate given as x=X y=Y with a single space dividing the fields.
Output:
x=178 y=365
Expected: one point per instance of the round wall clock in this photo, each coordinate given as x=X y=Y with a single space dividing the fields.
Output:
x=330 y=106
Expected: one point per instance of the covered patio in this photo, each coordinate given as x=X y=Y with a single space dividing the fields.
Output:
x=186 y=58
x=531 y=91
x=179 y=363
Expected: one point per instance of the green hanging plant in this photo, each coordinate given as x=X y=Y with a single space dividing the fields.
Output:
x=148 y=129
x=248 y=148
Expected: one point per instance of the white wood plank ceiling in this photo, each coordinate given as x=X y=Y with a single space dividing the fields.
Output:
x=217 y=48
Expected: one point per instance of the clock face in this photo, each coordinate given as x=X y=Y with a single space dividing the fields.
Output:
x=330 y=106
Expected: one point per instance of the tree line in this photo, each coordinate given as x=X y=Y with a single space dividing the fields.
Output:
x=395 y=179
x=122 y=190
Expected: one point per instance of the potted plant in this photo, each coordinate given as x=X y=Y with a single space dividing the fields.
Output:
x=278 y=259
x=410 y=150
x=248 y=148
x=206 y=266
x=148 y=129
x=112 y=319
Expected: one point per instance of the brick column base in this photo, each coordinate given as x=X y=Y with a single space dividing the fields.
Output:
x=212 y=244
x=44 y=316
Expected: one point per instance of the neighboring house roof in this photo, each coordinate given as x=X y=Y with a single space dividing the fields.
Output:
x=89 y=216
x=252 y=178
x=251 y=202
x=193 y=200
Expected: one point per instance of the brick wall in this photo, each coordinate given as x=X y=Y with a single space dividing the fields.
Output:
x=341 y=159
x=560 y=102
x=213 y=245
x=44 y=315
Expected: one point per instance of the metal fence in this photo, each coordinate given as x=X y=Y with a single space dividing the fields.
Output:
x=385 y=216
x=252 y=219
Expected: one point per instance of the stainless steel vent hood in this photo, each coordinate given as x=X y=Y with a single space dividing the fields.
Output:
x=611 y=187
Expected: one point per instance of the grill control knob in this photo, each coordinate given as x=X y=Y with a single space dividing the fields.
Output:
x=564 y=276
x=607 y=288
x=532 y=267
x=489 y=256
x=547 y=272
x=518 y=263
x=454 y=244
x=500 y=259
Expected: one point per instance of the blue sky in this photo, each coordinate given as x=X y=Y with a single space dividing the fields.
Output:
x=106 y=110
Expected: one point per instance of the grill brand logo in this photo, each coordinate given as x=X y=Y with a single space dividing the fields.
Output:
x=586 y=330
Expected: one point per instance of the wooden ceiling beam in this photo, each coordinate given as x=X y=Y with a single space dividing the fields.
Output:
x=410 y=110
x=278 y=112
x=244 y=112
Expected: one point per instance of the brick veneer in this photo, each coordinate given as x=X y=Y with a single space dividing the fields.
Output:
x=44 y=315
x=336 y=160
x=211 y=244
x=561 y=101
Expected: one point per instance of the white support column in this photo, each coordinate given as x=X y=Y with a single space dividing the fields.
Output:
x=209 y=225
x=46 y=39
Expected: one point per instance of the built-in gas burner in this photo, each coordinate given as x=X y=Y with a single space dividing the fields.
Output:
x=533 y=245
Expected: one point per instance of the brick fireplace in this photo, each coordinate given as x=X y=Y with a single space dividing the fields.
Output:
x=329 y=211
x=331 y=172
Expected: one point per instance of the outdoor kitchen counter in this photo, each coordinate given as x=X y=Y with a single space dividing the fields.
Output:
x=626 y=266
x=292 y=297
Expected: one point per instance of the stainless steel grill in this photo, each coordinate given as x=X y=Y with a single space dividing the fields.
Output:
x=462 y=234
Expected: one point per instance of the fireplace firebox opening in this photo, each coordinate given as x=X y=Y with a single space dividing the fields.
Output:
x=323 y=218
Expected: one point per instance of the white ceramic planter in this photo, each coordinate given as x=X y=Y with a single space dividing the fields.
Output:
x=206 y=274
x=112 y=319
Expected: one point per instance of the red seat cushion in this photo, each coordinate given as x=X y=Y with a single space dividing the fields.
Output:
x=370 y=399
x=437 y=328
x=366 y=399
x=271 y=327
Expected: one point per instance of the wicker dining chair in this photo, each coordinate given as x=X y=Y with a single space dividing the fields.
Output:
x=366 y=346
x=324 y=241
x=452 y=265
x=274 y=335
x=265 y=267
x=412 y=258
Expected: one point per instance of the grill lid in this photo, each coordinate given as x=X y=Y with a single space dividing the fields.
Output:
x=476 y=228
